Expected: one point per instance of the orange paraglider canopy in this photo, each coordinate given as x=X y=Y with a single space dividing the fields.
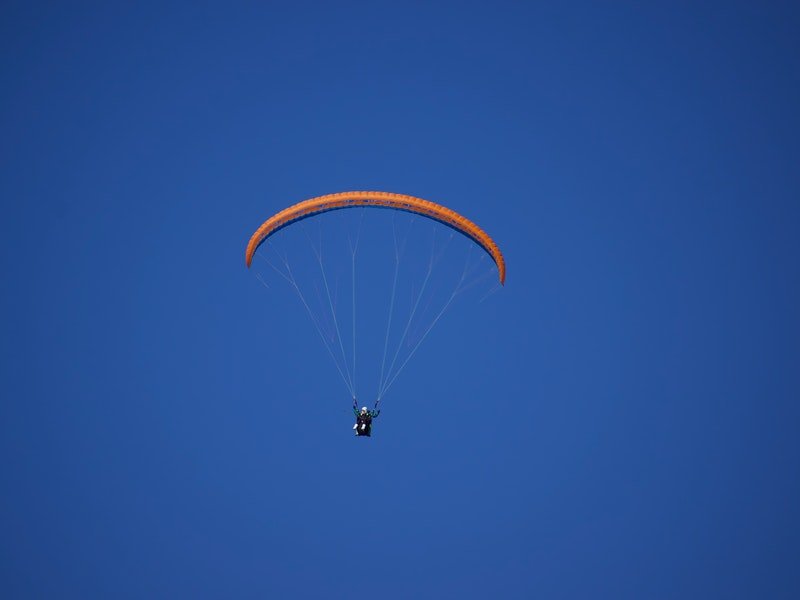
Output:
x=411 y=204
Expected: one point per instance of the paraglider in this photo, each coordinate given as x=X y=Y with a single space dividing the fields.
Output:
x=329 y=202
x=363 y=426
x=422 y=316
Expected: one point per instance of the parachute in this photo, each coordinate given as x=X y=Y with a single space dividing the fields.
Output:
x=321 y=204
x=423 y=309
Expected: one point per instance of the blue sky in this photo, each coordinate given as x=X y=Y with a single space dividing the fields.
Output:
x=620 y=421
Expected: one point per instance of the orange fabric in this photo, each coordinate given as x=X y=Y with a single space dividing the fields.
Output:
x=384 y=199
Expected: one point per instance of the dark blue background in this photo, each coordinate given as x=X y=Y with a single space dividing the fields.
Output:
x=167 y=432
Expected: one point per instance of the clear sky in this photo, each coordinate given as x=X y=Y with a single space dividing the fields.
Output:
x=619 y=421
